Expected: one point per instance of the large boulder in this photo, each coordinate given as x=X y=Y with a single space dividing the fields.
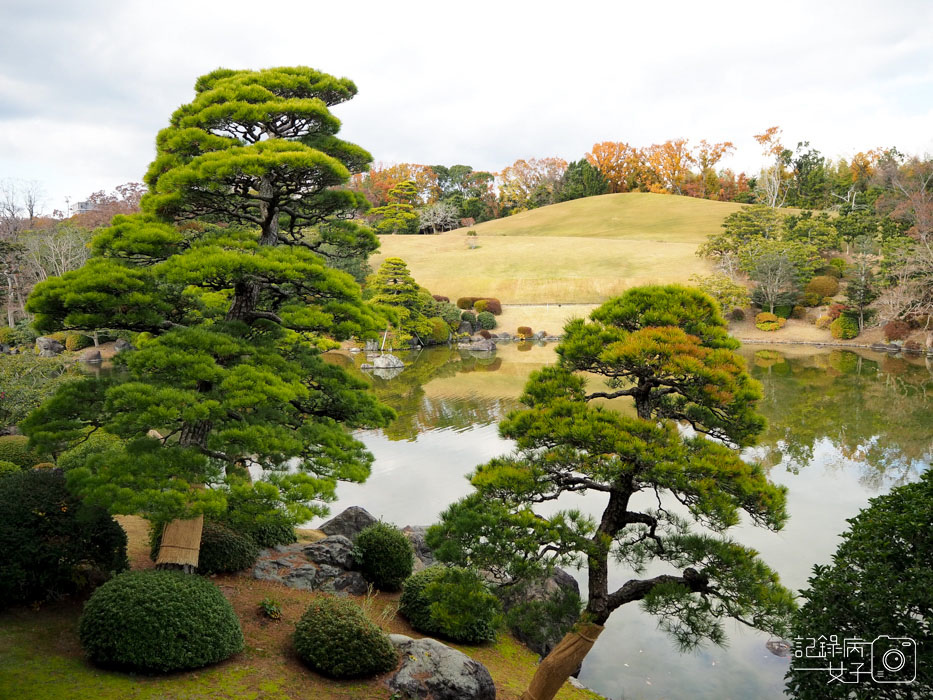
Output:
x=387 y=361
x=123 y=345
x=434 y=670
x=48 y=347
x=483 y=345
x=349 y=523
x=423 y=554
x=465 y=328
x=335 y=550
x=92 y=356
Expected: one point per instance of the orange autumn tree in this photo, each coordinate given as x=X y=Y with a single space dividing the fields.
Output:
x=670 y=162
x=619 y=163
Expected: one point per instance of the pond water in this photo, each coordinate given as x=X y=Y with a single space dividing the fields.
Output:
x=843 y=427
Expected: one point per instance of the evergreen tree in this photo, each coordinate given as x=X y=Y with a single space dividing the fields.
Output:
x=580 y=179
x=393 y=286
x=666 y=349
x=398 y=216
x=221 y=278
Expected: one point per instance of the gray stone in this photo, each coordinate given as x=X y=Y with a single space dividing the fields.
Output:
x=387 y=361
x=423 y=553
x=350 y=582
x=349 y=523
x=465 y=327
x=123 y=345
x=48 y=347
x=336 y=550
x=483 y=345
x=390 y=373
x=434 y=670
x=92 y=356
x=540 y=335
x=371 y=346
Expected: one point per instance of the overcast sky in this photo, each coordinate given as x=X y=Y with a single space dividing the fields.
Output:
x=85 y=85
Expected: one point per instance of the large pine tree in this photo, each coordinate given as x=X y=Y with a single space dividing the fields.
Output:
x=668 y=497
x=221 y=274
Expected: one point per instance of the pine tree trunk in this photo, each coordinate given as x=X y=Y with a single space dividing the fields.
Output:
x=564 y=659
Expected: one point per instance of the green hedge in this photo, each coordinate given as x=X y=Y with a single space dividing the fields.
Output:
x=336 y=639
x=159 y=621
x=51 y=543
x=15 y=448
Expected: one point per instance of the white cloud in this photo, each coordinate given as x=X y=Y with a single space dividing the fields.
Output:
x=84 y=88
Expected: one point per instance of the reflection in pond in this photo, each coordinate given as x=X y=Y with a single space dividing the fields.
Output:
x=876 y=413
x=842 y=427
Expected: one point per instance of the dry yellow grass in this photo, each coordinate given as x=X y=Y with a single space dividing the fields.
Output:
x=587 y=250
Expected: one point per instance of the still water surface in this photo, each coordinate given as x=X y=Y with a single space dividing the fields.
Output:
x=842 y=427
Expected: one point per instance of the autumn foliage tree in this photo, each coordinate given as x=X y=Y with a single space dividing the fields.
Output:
x=667 y=350
x=221 y=276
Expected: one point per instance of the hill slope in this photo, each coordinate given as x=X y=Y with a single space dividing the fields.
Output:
x=586 y=250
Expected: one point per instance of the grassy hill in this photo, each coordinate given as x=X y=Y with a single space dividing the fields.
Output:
x=586 y=250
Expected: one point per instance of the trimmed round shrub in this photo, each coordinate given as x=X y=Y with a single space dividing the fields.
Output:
x=77 y=341
x=224 y=550
x=468 y=316
x=440 y=331
x=823 y=285
x=486 y=320
x=52 y=544
x=15 y=448
x=485 y=334
x=494 y=306
x=479 y=306
x=844 y=328
x=466 y=302
x=8 y=468
x=451 y=602
x=524 y=332
x=385 y=556
x=737 y=315
x=159 y=621
x=336 y=639
x=896 y=330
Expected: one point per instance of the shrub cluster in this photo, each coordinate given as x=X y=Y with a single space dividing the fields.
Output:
x=896 y=330
x=844 y=327
x=51 y=543
x=451 y=602
x=823 y=285
x=385 y=556
x=479 y=306
x=8 y=468
x=15 y=448
x=823 y=322
x=159 y=621
x=811 y=299
x=467 y=302
x=486 y=320
x=440 y=331
x=799 y=313
x=7 y=336
x=767 y=321
x=77 y=341
x=835 y=310
x=784 y=310
x=336 y=639
x=441 y=297
x=737 y=315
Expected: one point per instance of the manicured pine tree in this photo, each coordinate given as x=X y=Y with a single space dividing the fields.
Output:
x=393 y=286
x=399 y=215
x=667 y=350
x=221 y=276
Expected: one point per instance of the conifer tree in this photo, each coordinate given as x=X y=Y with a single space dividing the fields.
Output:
x=393 y=286
x=667 y=350
x=398 y=216
x=221 y=277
